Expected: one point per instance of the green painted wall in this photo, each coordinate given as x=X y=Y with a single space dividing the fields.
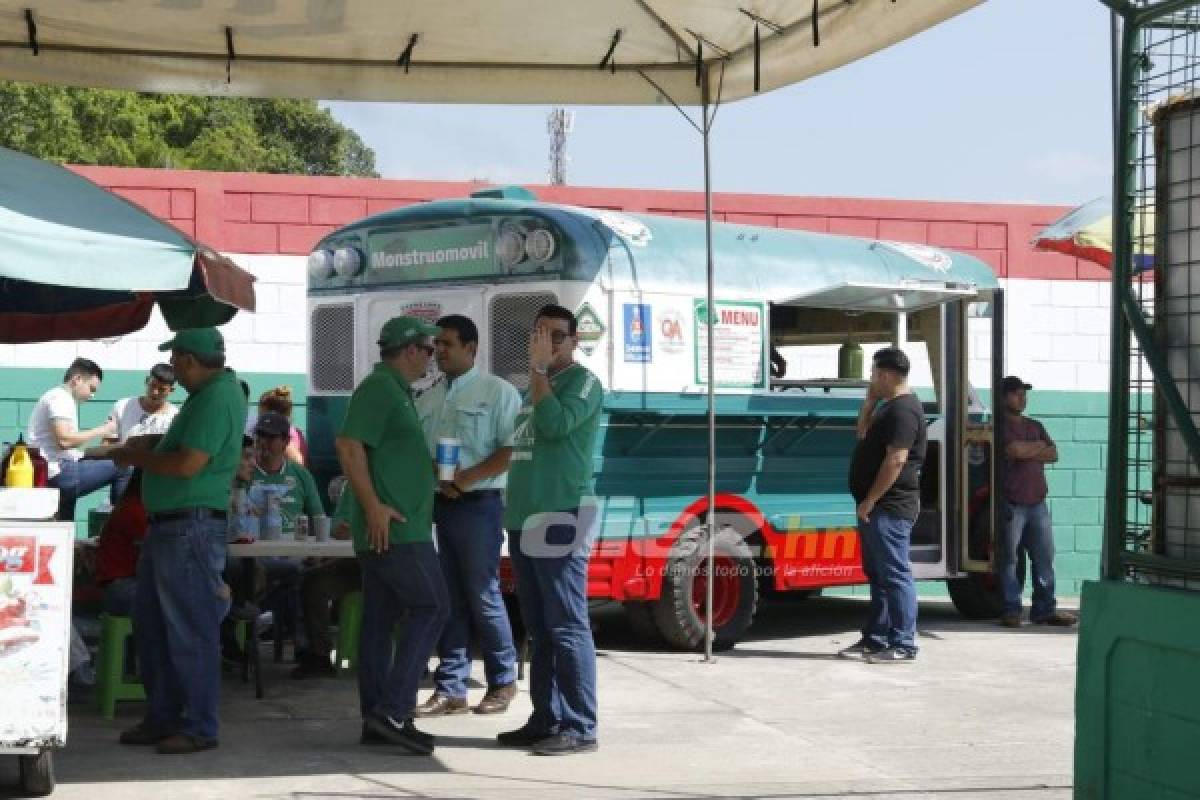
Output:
x=21 y=388
x=1078 y=421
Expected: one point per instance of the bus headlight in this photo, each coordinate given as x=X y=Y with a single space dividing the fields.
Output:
x=347 y=262
x=320 y=265
x=539 y=245
x=510 y=247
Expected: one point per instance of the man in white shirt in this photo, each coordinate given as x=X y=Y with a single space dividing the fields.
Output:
x=54 y=429
x=151 y=413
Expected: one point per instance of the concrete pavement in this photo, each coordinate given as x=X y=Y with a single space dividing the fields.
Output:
x=985 y=712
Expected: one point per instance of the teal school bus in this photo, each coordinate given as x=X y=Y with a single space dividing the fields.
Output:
x=785 y=521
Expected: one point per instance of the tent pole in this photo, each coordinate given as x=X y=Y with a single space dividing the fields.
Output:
x=706 y=127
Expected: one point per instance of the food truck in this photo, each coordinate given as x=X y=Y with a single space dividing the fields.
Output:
x=784 y=519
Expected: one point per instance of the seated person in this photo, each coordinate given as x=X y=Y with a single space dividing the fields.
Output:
x=320 y=587
x=279 y=401
x=54 y=430
x=147 y=414
x=273 y=472
x=118 y=547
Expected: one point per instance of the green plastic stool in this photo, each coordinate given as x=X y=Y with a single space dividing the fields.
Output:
x=349 y=629
x=111 y=682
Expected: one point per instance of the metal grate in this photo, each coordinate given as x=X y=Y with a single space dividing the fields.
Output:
x=1153 y=518
x=512 y=318
x=331 y=348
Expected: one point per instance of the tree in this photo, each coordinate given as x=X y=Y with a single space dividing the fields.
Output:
x=133 y=129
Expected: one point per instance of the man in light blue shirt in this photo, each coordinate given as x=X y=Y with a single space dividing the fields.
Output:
x=480 y=410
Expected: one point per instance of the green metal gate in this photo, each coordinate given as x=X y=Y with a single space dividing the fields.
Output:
x=1138 y=686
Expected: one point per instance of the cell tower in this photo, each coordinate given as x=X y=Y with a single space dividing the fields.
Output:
x=559 y=123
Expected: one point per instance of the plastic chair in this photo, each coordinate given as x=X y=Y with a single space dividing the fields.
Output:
x=349 y=628
x=112 y=684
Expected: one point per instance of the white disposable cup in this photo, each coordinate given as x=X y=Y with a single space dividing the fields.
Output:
x=446 y=455
x=320 y=527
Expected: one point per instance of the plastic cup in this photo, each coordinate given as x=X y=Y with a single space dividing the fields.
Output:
x=320 y=527
x=302 y=527
x=272 y=519
x=446 y=456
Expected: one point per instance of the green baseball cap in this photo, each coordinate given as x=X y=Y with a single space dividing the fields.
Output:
x=399 y=331
x=200 y=341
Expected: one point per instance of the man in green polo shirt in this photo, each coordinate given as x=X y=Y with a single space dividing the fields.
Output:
x=181 y=598
x=550 y=536
x=382 y=452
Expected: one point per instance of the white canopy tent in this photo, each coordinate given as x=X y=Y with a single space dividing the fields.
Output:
x=456 y=51
x=588 y=52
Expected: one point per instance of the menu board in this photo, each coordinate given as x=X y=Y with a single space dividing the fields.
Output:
x=739 y=337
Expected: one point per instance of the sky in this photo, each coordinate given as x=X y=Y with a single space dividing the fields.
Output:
x=1009 y=102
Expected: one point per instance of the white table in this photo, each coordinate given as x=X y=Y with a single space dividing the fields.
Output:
x=309 y=548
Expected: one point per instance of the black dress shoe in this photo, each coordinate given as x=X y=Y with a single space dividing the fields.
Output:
x=565 y=744
x=181 y=744
x=402 y=734
x=525 y=736
x=141 y=734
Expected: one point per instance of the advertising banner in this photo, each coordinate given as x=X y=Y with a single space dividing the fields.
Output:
x=35 y=631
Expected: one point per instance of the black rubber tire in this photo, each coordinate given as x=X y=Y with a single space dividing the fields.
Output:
x=976 y=596
x=674 y=614
x=37 y=774
x=641 y=621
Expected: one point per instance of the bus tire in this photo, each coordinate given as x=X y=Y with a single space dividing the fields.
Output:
x=977 y=595
x=37 y=774
x=679 y=612
x=641 y=621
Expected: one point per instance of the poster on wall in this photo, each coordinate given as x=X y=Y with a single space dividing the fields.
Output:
x=739 y=335
x=638 y=334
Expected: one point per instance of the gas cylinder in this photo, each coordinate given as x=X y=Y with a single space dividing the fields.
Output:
x=850 y=362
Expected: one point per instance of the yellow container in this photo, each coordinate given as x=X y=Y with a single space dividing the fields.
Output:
x=20 y=468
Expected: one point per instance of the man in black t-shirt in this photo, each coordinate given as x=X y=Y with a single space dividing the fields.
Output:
x=885 y=478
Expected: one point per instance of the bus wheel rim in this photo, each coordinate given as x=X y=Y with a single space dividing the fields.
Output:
x=727 y=590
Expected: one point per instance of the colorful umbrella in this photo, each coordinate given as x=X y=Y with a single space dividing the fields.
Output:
x=79 y=262
x=1087 y=232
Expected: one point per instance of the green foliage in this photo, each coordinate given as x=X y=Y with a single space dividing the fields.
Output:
x=131 y=129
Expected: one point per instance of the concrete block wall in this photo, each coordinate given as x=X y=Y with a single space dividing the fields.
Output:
x=1057 y=307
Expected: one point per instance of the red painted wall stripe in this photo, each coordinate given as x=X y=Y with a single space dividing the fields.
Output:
x=287 y=214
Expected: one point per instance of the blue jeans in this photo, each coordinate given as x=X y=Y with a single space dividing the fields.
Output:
x=120 y=484
x=401 y=586
x=470 y=533
x=893 y=616
x=177 y=612
x=552 y=590
x=78 y=478
x=1027 y=528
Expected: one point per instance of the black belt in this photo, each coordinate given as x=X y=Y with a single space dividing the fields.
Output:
x=477 y=494
x=175 y=515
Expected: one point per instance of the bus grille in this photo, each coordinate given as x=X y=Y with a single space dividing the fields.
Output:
x=331 y=348
x=512 y=318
